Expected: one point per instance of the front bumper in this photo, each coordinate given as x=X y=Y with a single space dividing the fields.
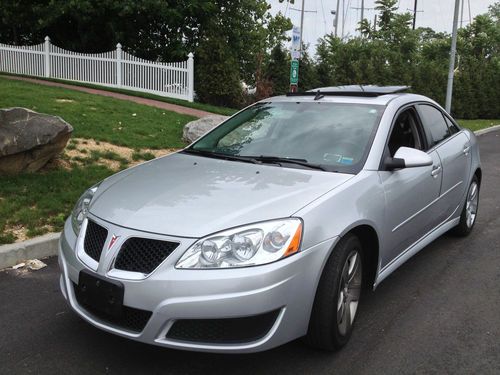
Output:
x=287 y=286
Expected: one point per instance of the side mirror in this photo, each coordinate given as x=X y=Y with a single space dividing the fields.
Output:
x=407 y=157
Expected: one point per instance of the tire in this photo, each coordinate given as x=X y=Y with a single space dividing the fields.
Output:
x=326 y=330
x=469 y=212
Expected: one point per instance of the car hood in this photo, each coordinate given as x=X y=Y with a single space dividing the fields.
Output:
x=192 y=196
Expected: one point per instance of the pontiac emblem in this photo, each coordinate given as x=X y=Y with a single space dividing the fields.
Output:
x=112 y=241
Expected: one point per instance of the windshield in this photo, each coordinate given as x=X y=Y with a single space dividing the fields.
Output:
x=329 y=136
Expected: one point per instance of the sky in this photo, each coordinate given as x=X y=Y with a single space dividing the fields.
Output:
x=437 y=14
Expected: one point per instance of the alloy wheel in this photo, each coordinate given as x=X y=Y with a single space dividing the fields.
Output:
x=471 y=204
x=349 y=292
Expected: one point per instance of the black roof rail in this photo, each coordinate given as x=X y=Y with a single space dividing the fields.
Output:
x=352 y=90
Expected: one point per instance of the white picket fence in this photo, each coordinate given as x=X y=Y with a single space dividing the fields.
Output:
x=115 y=69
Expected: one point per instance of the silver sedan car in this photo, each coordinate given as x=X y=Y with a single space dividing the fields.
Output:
x=269 y=227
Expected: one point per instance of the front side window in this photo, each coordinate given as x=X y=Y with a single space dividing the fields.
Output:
x=333 y=135
x=405 y=133
x=434 y=123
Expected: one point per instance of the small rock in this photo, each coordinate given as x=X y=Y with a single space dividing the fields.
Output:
x=195 y=129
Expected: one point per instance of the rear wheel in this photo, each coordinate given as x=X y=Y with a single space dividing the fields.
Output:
x=469 y=212
x=337 y=297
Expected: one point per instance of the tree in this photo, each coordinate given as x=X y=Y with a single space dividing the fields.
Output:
x=278 y=70
x=217 y=74
x=308 y=76
x=395 y=54
x=19 y=22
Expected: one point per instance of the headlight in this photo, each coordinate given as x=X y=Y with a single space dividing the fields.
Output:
x=81 y=208
x=244 y=246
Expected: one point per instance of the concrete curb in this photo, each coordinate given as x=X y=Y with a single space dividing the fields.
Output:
x=39 y=247
x=46 y=245
x=487 y=130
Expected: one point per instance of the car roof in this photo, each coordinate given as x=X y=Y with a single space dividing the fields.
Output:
x=356 y=94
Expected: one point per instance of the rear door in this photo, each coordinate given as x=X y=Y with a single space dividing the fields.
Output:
x=453 y=148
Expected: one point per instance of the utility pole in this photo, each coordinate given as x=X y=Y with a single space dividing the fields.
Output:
x=470 y=17
x=362 y=10
x=462 y=13
x=337 y=14
x=414 y=14
x=343 y=19
x=449 y=88
x=301 y=25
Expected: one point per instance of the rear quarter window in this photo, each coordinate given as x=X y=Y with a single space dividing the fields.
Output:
x=453 y=128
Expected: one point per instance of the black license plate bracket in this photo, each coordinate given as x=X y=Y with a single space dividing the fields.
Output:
x=101 y=294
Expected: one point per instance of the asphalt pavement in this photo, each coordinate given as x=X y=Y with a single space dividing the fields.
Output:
x=438 y=313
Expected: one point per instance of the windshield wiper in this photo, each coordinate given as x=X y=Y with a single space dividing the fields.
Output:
x=218 y=155
x=254 y=159
x=279 y=160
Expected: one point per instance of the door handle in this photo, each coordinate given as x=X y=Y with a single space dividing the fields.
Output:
x=466 y=150
x=436 y=170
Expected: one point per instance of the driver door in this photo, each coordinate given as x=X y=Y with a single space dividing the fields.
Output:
x=410 y=193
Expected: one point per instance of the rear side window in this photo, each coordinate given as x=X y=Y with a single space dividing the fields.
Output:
x=434 y=123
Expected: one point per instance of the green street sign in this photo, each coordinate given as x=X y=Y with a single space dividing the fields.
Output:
x=294 y=72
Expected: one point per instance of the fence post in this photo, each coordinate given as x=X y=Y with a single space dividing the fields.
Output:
x=119 y=65
x=47 y=56
x=190 y=65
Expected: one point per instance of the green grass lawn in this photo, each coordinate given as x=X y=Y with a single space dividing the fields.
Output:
x=196 y=105
x=478 y=124
x=40 y=202
x=104 y=119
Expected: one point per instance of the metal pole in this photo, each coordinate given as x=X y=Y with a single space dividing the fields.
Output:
x=362 y=10
x=449 y=88
x=295 y=87
x=337 y=14
x=462 y=13
x=343 y=19
x=414 y=14
x=470 y=17
x=301 y=26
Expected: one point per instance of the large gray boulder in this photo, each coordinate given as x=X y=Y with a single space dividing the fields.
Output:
x=28 y=140
x=195 y=129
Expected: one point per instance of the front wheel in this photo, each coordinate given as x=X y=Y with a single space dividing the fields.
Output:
x=337 y=297
x=469 y=212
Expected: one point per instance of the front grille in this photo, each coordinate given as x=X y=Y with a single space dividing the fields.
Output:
x=143 y=254
x=223 y=331
x=132 y=319
x=94 y=240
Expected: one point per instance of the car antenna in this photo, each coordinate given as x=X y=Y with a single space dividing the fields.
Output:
x=318 y=96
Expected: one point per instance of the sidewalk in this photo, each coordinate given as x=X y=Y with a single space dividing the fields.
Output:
x=149 y=102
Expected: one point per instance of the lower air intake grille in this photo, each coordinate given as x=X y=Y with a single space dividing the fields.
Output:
x=94 y=240
x=143 y=254
x=131 y=319
x=223 y=331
